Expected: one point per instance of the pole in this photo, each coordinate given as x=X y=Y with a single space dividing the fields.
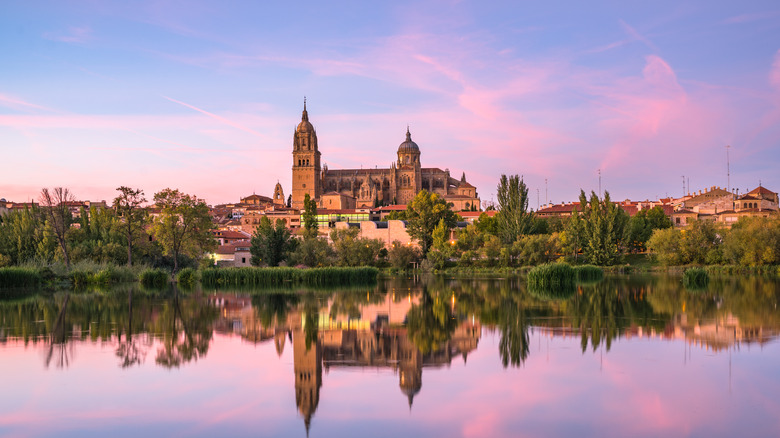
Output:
x=728 y=168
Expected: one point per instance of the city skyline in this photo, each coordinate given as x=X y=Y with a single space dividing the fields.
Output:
x=205 y=97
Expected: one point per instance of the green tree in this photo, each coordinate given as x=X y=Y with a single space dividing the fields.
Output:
x=56 y=209
x=309 y=218
x=401 y=256
x=312 y=253
x=183 y=226
x=270 y=245
x=641 y=226
x=133 y=218
x=753 y=241
x=98 y=238
x=352 y=250
x=24 y=236
x=665 y=244
x=603 y=225
x=487 y=225
x=513 y=218
x=423 y=215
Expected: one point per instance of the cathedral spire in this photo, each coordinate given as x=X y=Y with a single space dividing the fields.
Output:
x=408 y=134
x=305 y=115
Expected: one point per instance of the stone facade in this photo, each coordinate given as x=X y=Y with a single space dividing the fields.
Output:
x=398 y=184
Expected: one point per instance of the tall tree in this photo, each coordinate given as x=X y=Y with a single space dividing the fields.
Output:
x=133 y=218
x=309 y=217
x=513 y=217
x=603 y=229
x=57 y=211
x=423 y=215
x=183 y=225
x=271 y=245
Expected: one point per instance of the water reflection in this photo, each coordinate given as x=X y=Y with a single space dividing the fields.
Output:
x=403 y=326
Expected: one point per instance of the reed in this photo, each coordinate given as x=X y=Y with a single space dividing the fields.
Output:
x=588 y=273
x=695 y=278
x=154 y=278
x=187 y=277
x=551 y=275
x=19 y=277
x=265 y=277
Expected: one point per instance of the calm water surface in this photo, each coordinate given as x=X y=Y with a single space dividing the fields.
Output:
x=628 y=356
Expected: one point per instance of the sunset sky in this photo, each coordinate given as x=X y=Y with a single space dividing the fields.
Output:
x=205 y=96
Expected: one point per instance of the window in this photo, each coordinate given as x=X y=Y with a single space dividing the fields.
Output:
x=243 y=259
x=677 y=220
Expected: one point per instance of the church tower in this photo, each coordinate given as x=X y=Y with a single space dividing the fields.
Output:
x=278 y=194
x=306 y=162
x=408 y=173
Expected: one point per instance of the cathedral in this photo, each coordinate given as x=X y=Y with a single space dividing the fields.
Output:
x=361 y=188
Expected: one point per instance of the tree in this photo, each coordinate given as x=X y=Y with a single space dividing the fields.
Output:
x=423 y=214
x=641 y=226
x=312 y=253
x=753 y=241
x=352 y=250
x=309 y=218
x=513 y=218
x=401 y=256
x=603 y=224
x=183 y=225
x=24 y=236
x=57 y=211
x=133 y=218
x=271 y=245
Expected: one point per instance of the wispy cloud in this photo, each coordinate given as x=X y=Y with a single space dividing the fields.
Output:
x=219 y=118
x=749 y=18
x=19 y=104
x=638 y=36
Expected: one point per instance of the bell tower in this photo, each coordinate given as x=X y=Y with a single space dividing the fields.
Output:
x=306 y=162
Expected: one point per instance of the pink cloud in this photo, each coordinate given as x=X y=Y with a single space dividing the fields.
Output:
x=774 y=73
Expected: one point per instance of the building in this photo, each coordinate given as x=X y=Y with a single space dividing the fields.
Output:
x=360 y=188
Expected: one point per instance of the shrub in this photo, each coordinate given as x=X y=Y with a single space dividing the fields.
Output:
x=19 y=277
x=695 y=278
x=551 y=275
x=588 y=273
x=154 y=278
x=187 y=277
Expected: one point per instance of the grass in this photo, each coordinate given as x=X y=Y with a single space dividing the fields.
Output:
x=695 y=278
x=19 y=277
x=187 y=277
x=288 y=276
x=154 y=278
x=551 y=276
x=588 y=273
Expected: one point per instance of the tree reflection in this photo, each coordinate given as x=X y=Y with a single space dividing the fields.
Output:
x=58 y=345
x=185 y=327
x=513 y=326
x=430 y=323
x=129 y=351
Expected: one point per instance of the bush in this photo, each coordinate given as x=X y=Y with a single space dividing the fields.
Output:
x=695 y=278
x=588 y=273
x=19 y=277
x=154 y=278
x=551 y=275
x=187 y=277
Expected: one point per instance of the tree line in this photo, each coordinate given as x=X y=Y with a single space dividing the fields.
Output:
x=176 y=234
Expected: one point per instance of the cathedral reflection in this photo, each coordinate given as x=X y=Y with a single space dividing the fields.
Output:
x=342 y=333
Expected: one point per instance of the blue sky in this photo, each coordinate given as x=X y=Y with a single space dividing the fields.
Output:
x=204 y=96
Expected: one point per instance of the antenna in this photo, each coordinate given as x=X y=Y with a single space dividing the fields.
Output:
x=728 y=170
x=545 y=192
x=537 y=199
x=599 y=183
x=683 y=177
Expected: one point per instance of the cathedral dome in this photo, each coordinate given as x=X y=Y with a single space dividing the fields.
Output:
x=408 y=146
